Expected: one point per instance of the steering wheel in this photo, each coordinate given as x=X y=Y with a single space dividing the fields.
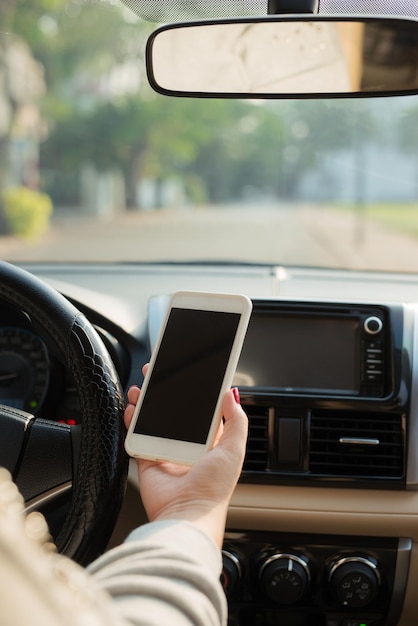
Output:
x=47 y=459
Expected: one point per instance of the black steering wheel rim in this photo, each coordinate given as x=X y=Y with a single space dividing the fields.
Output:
x=99 y=480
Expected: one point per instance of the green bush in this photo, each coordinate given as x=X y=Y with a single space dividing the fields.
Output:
x=27 y=212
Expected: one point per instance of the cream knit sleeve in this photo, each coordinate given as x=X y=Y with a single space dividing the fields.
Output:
x=165 y=573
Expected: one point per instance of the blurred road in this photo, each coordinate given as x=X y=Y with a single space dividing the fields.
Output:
x=279 y=234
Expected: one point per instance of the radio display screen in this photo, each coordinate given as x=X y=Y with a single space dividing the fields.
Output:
x=302 y=353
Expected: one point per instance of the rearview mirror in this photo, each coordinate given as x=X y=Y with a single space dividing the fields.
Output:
x=285 y=57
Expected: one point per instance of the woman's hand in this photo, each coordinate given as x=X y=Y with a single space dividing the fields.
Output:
x=199 y=494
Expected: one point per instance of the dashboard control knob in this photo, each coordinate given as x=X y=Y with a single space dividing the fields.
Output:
x=284 y=578
x=231 y=571
x=373 y=325
x=355 y=581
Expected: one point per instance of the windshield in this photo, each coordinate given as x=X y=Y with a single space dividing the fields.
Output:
x=97 y=167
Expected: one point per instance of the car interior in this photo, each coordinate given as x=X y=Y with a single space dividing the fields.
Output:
x=313 y=107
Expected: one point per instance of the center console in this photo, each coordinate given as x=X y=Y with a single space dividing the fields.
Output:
x=309 y=580
x=327 y=390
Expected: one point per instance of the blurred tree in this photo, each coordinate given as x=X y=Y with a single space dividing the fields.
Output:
x=21 y=86
x=316 y=128
x=99 y=110
x=155 y=138
x=89 y=55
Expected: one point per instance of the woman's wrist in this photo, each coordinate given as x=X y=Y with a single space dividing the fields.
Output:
x=209 y=519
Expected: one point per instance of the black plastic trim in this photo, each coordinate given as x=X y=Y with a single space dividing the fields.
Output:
x=276 y=7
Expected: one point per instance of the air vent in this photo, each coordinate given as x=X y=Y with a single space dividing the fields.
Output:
x=257 y=446
x=369 y=445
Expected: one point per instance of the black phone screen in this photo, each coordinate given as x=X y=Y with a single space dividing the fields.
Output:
x=188 y=373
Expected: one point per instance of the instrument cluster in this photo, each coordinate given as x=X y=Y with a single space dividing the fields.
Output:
x=32 y=378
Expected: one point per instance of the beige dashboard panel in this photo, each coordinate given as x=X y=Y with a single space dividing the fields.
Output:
x=325 y=510
x=409 y=611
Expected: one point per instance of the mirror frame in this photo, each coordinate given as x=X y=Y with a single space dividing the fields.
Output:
x=272 y=96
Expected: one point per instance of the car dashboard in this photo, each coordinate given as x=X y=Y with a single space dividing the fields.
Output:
x=323 y=525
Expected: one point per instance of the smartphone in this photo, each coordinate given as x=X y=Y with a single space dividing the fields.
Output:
x=191 y=367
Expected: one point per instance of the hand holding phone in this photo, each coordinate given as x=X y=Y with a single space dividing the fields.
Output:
x=200 y=493
x=193 y=364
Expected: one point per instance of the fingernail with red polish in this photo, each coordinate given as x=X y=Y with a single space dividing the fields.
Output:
x=236 y=395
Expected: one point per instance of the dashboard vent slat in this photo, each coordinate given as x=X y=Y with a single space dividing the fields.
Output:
x=332 y=453
x=256 y=458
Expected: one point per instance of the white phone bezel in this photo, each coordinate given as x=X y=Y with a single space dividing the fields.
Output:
x=184 y=452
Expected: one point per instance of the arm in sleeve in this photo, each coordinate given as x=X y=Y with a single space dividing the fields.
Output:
x=165 y=573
